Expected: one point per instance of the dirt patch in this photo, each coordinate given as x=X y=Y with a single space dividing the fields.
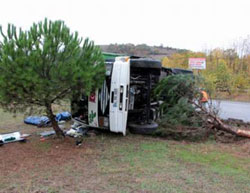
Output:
x=35 y=153
x=52 y=163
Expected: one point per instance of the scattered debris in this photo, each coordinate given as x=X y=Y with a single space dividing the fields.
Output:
x=37 y=120
x=42 y=121
x=12 y=137
x=42 y=139
x=25 y=135
x=77 y=130
x=61 y=124
x=47 y=133
x=63 y=116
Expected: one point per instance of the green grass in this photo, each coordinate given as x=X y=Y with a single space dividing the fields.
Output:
x=222 y=163
x=158 y=166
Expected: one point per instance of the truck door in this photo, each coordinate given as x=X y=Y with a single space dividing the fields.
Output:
x=119 y=95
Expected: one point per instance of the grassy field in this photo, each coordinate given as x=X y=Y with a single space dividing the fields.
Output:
x=113 y=163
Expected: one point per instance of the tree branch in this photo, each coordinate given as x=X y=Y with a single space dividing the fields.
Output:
x=61 y=94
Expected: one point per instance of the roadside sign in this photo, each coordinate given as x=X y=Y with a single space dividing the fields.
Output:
x=197 y=63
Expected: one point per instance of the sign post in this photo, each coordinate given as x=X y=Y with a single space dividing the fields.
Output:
x=197 y=64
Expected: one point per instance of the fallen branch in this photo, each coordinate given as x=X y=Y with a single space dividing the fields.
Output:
x=218 y=124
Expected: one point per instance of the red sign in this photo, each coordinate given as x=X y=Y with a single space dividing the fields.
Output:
x=92 y=97
x=197 y=63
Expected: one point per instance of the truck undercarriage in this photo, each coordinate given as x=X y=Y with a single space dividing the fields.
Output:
x=142 y=108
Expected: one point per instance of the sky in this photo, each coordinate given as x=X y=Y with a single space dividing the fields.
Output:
x=188 y=24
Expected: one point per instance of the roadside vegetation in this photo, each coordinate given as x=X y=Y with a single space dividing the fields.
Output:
x=227 y=71
x=186 y=116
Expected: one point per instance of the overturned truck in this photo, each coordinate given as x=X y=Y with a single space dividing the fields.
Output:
x=125 y=98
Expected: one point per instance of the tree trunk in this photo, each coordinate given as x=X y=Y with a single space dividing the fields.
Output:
x=230 y=129
x=218 y=124
x=59 y=132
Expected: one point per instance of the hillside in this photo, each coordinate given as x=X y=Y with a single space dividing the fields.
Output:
x=156 y=52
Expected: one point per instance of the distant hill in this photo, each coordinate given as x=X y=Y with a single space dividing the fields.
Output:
x=143 y=50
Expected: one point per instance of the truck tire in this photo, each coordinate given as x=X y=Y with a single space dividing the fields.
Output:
x=144 y=129
x=145 y=63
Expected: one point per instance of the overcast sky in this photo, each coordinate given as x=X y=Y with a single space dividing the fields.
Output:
x=190 y=24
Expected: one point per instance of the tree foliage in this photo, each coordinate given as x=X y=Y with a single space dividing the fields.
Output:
x=181 y=109
x=176 y=92
x=46 y=64
x=141 y=50
x=227 y=70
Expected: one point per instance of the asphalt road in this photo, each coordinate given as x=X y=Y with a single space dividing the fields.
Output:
x=232 y=109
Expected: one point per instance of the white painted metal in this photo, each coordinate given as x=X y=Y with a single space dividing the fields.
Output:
x=15 y=135
x=119 y=95
x=93 y=109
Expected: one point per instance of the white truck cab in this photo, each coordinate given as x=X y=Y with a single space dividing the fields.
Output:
x=124 y=98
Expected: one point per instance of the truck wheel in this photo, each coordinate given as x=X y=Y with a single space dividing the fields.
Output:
x=144 y=129
x=145 y=63
x=1 y=142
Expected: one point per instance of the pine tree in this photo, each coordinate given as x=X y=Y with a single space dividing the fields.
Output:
x=46 y=64
x=176 y=92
